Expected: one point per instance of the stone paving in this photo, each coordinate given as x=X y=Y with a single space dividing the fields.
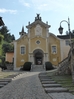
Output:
x=28 y=85
x=4 y=81
x=24 y=86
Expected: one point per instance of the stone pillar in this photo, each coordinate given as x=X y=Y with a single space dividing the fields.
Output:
x=15 y=50
x=47 y=31
x=31 y=58
x=46 y=57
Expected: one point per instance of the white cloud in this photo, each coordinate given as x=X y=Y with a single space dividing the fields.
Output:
x=3 y=10
x=55 y=5
x=49 y=5
x=24 y=3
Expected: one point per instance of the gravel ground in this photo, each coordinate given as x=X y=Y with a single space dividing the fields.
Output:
x=24 y=86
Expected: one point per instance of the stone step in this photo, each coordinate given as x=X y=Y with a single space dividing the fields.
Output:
x=3 y=83
x=52 y=85
x=62 y=95
x=43 y=76
x=1 y=86
x=37 y=68
x=55 y=90
x=46 y=79
x=71 y=90
x=5 y=80
x=42 y=73
x=48 y=82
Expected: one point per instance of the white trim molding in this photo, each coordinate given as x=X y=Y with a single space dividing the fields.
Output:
x=15 y=50
x=38 y=42
x=38 y=48
x=38 y=30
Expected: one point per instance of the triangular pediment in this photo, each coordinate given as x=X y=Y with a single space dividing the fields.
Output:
x=38 y=20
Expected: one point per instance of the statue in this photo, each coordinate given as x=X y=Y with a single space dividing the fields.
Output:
x=38 y=17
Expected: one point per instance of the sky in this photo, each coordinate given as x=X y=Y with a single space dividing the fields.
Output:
x=17 y=13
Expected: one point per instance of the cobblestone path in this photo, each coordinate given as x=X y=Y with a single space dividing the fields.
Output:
x=24 y=86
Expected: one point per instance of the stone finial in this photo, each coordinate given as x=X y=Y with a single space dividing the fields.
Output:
x=38 y=17
x=46 y=22
x=29 y=23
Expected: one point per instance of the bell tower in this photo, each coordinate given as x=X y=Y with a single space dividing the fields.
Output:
x=22 y=32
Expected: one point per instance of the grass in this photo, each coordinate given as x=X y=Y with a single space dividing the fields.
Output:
x=65 y=81
x=5 y=74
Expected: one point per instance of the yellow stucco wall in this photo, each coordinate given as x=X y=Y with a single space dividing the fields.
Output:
x=32 y=32
x=21 y=59
x=54 y=58
x=34 y=45
x=44 y=31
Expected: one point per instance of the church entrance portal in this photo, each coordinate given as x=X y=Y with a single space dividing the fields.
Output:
x=38 y=57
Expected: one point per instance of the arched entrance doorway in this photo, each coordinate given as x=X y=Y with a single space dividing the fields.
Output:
x=38 y=57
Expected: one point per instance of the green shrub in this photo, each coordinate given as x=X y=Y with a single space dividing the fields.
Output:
x=3 y=66
x=48 y=66
x=26 y=66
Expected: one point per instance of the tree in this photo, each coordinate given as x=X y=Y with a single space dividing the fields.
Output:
x=7 y=36
x=7 y=48
x=1 y=37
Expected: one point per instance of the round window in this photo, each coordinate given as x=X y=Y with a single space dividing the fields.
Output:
x=38 y=42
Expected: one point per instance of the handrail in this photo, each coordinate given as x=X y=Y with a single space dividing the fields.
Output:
x=63 y=60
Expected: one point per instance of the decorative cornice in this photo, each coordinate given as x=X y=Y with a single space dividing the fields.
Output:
x=38 y=22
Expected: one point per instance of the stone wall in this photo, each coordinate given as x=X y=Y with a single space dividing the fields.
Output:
x=9 y=66
x=67 y=65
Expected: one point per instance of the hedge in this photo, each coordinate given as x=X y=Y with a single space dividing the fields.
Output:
x=26 y=66
x=48 y=66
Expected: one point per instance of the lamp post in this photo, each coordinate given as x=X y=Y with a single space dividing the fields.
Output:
x=61 y=28
x=61 y=31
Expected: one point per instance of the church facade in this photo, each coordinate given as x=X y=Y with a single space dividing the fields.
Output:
x=38 y=45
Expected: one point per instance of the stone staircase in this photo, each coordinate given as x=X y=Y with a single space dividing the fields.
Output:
x=37 y=68
x=49 y=85
x=53 y=89
x=8 y=79
x=64 y=66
